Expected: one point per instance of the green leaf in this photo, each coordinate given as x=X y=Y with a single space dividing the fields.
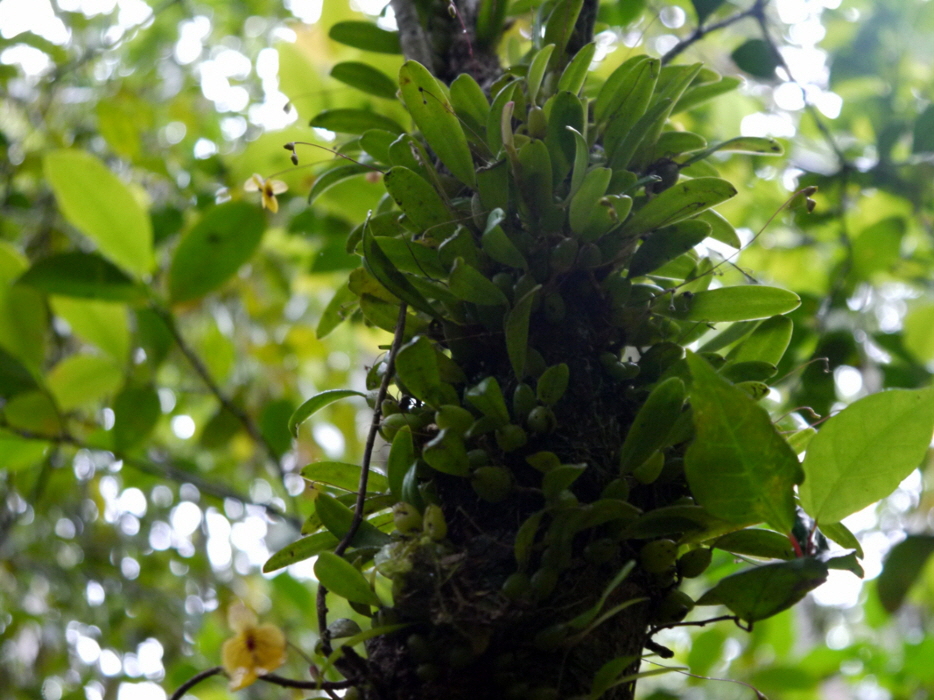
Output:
x=365 y=78
x=338 y=309
x=628 y=101
x=560 y=26
x=354 y=121
x=565 y=118
x=652 y=424
x=420 y=202
x=756 y=543
x=378 y=264
x=902 y=567
x=337 y=518
x=487 y=397
x=136 y=412
x=366 y=36
x=446 y=453
x=757 y=57
x=214 y=249
x=84 y=275
x=739 y=468
x=573 y=77
x=861 y=454
x=417 y=368
x=767 y=343
x=315 y=404
x=671 y=520
x=720 y=229
x=469 y=284
x=552 y=384
x=588 y=194
x=14 y=377
x=401 y=458
x=82 y=380
x=102 y=207
x=343 y=476
x=490 y=19
x=681 y=201
x=516 y=326
x=839 y=533
x=344 y=579
x=102 y=323
x=766 y=590
x=331 y=177
x=743 y=303
x=301 y=550
x=667 y=244
x=429 y=106
x=699 y=94
x=923 y=141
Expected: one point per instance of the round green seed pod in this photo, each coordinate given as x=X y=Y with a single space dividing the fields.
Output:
x=608 y=359
x=478 y=458
x=658 y=556
x=543 y=582
x=434 y=523
x=673 y=607
x=343 y=627
x=542 y=420
x=492 y=484
x=406 y=518
x=516 y=586
x=695 y=562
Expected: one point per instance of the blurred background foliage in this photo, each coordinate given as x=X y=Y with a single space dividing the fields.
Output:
x=169 y=477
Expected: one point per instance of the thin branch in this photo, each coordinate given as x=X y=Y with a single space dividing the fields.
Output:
x=699 y=623
x=305 y=685
x=163 y=470
x=202 y=371
x=757 y=10
x=194 y=680
x=364 y=474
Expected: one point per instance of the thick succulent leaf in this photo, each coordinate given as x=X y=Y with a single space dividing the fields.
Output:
x=433 y=114
x=743 y=303
x=354 y=121
x=366 y=36
x=342 y=578
x=365 y=78
x=315 y=404
x=739 y=467
x=681 y=201
x=517 y=331
x=300 y=550
x=756 y=543
x=861 y=454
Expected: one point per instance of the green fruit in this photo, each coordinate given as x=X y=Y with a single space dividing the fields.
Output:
x=510 y=437
x=658 y=556
x=388 y=407
x=343 y=627
x=648 y=471
x=673 y=607
x=516 y=586
x=478 y=458
x=542 y=420
x=695 y=562
x=543 y=582
x=493 y=484
x=434 y=523
x=406 y=518
x=563 y=255
x=608 y=359
x=537 y=124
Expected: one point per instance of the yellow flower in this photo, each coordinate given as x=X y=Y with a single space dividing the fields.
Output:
x=269 y=188
x=254 y=651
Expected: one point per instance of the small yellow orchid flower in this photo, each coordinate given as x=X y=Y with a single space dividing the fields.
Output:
x=254 y=651
x=269 y=189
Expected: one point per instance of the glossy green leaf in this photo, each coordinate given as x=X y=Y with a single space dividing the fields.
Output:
x=902 y=568
x=756 y=594
x=102 y=207
x=469 y=284
x=757 y=57
x=754 y=145
x=560 y=26
x=652 y=423
x=756 y=543
x=365 y=35
x=300 y=550
x=840 y=533
x=739 y=467
x=500 y=248
x=342 y=304
x=574 y=75
x=315 y=404
x=629 y=102
x=104 y=324
x=617 y=88
x=591 y=190
x=861 y=454
x=83 y=380
x=699 y=94
x=683 y=200
x=417 y=368
x=136 y=411
x=552 y=384
x=365 y=78
x=720 y=229
x=490 y=18
x=378 y=264
x=767 y=343
x=420 y=202
x=673 y=143
x=744 y=303
x=494 y=122
x=666 y=244
x=342 y=578
x=447 y=453
x=487 y=397
x=214 y=249
x=85 y=275
x=401 y=458
x=516 y=326
x=469 y=100
x=354 y=121
x=343 y=476
x=334 y=176
x=337 y=518
x=433 y=114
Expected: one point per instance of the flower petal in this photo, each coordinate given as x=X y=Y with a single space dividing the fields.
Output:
x=254 y=184
x=278 y=187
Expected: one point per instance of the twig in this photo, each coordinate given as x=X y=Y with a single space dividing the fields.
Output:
x=756 y=10
x=202 y=371
x=699 y=623
x=194 y=680
x=166 y=471
x=364 y=475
